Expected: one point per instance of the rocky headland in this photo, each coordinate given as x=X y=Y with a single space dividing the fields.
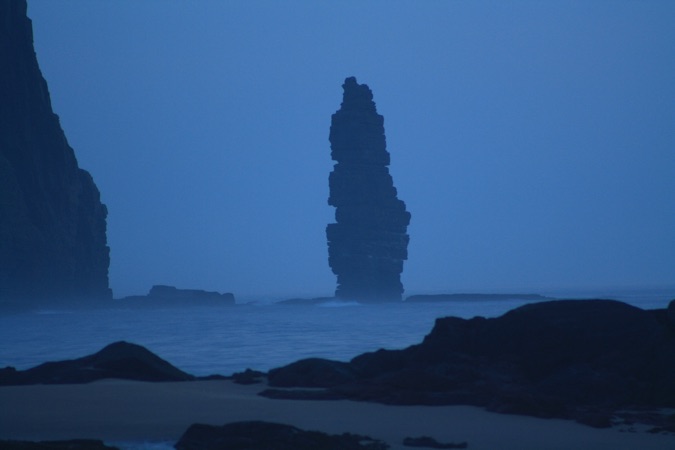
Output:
x=52 y=223
x=369 y=242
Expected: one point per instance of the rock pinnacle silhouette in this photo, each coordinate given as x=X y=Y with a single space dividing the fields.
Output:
x=369 y=242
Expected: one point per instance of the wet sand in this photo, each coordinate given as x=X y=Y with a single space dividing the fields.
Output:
x=119 y=410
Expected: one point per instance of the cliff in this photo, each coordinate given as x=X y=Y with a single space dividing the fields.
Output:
x=52 y=222
x=368 y=243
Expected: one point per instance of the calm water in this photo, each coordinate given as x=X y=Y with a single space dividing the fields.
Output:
x=204 y=341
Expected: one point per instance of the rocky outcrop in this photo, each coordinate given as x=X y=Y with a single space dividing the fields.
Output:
x=368 y=243
x=73 y=444
x=118 y=360
x=575 y=359
x=52 y=221
x=257 y=435
x=429 y=442
x=161 y=295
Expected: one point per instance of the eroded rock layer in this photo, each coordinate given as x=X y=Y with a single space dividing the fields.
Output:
x=52 y=221
x=368 y=243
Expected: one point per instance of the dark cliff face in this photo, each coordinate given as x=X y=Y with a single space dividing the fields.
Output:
x=52 y=221
x=368 y=244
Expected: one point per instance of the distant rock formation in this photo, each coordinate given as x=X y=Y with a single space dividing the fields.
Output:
x=368 y=244
x=169 y=295
x=52 y=221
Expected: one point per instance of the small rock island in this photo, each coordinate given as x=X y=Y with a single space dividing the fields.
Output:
x=369 y=242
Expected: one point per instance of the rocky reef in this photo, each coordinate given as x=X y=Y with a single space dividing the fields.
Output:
x=584 y=360
x=52 y=222
x=368 y=243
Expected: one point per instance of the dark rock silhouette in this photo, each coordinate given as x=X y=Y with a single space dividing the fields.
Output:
x=258 y=435
x=162 y=295
x=368 y=244
x=118 y=360
x=73 y=444
x=429 y=442
x=574 y=359
x=52 y=221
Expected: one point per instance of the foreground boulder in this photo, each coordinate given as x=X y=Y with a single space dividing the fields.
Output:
x=257 y=435
x=119 y=360
x=576 y=359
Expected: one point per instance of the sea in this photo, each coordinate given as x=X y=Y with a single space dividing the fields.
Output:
x=258 y=335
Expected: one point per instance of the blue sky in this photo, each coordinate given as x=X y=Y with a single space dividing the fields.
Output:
x=533 y=142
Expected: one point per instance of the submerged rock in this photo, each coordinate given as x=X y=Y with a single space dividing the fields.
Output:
x=369 y=242
x=52 y=222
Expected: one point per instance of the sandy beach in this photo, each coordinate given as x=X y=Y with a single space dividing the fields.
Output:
x=123 y=411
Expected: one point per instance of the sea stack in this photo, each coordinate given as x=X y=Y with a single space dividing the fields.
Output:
x=52 y=222
x=369 y=242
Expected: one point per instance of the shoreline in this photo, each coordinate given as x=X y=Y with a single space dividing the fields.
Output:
x=121 y=411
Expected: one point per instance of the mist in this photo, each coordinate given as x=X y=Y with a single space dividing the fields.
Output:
x=532 y=142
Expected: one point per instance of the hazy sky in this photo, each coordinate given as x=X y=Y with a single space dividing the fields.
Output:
x=533 y=142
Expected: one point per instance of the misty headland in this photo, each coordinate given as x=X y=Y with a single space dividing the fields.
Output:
x=602 y=358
